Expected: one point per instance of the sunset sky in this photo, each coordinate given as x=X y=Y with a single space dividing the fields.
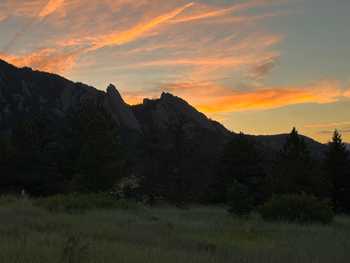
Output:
x=257 y=66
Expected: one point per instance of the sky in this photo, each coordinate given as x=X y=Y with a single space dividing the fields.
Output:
x=257 y=66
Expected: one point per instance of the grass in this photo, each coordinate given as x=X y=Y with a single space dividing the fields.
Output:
x=29 y=233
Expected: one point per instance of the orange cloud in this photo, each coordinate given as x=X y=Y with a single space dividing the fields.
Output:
x=217 y=13
x=48 y=59
x=50 y=8
x=2 y=17
x=120 y=38
x=196 y=62
x=30 y=8
x=327 y=125
x=205 y=15
x=47 y=10
x=18 y=7
x=167 y=41
x=347 y=93
x=211 y=98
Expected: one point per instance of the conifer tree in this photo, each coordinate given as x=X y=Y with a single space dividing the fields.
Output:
x=294 y=170
x=241 y=165
x=338 y=170
x=98 y=158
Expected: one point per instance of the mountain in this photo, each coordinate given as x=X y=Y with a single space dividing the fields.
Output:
x=24 y=91
x=164 y=138
x=273 y=143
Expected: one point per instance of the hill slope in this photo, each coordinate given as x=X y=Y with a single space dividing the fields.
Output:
x=164 y=137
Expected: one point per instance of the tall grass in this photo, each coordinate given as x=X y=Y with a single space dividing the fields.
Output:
x=31 y=233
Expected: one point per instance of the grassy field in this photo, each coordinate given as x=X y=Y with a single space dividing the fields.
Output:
x=163 y=234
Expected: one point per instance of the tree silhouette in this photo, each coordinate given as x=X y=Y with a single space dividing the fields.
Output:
x=337 y=167
x=241 y=165
x=36 y=150
x=295 y=148
x=96 y=149
x=294 y=170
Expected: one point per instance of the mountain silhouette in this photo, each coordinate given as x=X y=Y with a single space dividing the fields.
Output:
x=165 y=140
x=24 y=91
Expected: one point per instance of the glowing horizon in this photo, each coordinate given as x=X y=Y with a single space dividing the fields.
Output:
x=258 y=66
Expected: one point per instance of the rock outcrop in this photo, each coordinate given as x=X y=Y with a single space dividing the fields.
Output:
x=119 y=110
x=24 y=91
x=170 y=109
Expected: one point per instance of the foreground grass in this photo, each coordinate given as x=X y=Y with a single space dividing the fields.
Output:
x=164 y=234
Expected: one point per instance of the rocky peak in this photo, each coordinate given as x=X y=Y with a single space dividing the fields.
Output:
x=171 y=109
x=112 y=90
x=119 y=110
x=175 y=107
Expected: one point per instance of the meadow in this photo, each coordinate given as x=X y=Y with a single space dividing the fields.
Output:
x=135 y=233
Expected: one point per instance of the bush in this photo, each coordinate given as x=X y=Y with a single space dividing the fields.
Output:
x=239 y=199
x=8 y=199
x=82 y=202
x=297 y=208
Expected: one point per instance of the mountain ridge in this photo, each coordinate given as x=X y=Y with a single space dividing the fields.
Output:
x=23 y=90
x=165 y=140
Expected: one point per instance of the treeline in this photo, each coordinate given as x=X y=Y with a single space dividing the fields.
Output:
x=294 y=181
x=86 y=152
x=81 y=154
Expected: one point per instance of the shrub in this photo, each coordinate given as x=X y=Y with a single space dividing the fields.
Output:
x=81 y=202
x=8 y=199
x=300 y=208
x=239 y=199
x=127 y=187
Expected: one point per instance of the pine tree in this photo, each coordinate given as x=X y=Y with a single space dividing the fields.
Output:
x=98 y=158
x=35 y=147
x=241 y=165
x=337 y=167
x=295 y=148
x=294 y=170
x=6 y=162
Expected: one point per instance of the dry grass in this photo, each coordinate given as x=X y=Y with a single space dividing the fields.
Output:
x=163 y=234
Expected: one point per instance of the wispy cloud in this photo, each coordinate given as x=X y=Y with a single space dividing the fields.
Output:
x=212 y=98
x=120 y=38
x=222 y=62
x=347 y=93
x=164 y=22
x=330 y=132
x=327 y=128
x=208 y=13
x=46 y=59
x=2 y=17
x=148 y=36
x=50 y=8
x=327 y=125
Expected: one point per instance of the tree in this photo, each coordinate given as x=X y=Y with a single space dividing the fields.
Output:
x=81 y=152
x=337 y=167
x=6 y=161
x=94 y=145
x=294 y=170
x=295 y=148
x=240 y=199
x=170 y=153
x=35 y=149
x=241 y=165
x=152 y=183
